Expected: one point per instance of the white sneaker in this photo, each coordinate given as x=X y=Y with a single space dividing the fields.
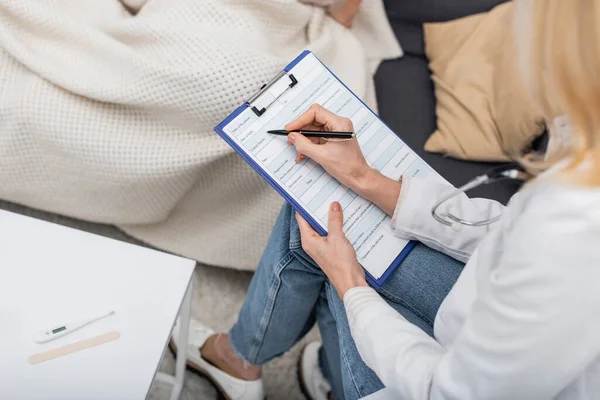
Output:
x=231 y=388
x=313 y=383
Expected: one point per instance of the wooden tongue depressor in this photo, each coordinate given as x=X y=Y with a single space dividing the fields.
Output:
x=74 y=347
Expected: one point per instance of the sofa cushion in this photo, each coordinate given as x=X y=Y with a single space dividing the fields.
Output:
x=407 y=104
x=484 y=111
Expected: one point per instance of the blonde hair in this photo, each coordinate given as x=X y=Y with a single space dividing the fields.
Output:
x=563 y=62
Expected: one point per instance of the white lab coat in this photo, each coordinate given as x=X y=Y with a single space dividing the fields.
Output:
x=523 y=319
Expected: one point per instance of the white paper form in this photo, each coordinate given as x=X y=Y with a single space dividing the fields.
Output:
x=367 y=227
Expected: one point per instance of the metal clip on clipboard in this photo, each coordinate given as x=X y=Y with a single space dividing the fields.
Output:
x=266 y=87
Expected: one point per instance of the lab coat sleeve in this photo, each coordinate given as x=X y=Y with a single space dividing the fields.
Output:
x=412 y=218
x=528 y=336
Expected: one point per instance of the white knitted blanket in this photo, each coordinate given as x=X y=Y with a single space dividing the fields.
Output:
x=107 y=110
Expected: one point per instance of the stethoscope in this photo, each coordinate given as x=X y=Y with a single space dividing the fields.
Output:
x=509 y=171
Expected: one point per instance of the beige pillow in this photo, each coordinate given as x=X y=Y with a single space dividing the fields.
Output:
x=483 y=109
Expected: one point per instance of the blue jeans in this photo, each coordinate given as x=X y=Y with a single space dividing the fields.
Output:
x=289 y=293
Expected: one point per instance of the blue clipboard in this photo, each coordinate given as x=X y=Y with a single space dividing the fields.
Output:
x=219 y=129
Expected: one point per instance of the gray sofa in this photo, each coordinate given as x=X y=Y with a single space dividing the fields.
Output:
x=405 y=90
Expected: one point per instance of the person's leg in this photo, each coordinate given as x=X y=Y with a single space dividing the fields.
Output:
x=286 y=294
x=329 y=354
x=415 y=289
x=279 y=309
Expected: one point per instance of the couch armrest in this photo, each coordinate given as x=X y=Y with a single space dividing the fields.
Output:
x=421 y=11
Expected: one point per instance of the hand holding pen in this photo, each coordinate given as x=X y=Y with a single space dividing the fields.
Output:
x=342 y=159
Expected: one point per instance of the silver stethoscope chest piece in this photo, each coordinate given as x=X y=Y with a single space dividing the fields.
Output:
x=441 y=211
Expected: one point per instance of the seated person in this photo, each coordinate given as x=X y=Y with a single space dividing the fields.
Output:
x=517 y=321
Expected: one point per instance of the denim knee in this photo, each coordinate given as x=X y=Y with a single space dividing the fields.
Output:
x=280 y=306
x=295 y=240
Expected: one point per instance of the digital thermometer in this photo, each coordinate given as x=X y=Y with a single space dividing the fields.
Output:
x=62 y=330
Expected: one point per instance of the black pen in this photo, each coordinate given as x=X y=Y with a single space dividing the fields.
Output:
x=320 y=134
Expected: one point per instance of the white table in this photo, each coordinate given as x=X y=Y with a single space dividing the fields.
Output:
x=52 y=275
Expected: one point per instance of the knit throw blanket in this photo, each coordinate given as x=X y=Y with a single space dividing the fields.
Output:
x=107 y=110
